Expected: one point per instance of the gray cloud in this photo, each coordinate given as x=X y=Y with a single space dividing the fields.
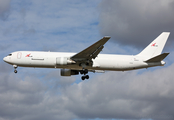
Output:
x=136 y=22
x=124 y=95
x=28 y=98
x=5 y=67
x=4 y=8
x=18 y=95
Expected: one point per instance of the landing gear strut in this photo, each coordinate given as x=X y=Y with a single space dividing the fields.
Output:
x=15 y=66
x=84 y=71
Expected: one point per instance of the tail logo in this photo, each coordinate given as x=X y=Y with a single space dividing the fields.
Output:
x=154 y=45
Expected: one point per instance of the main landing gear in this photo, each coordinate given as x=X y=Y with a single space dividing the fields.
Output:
x=15 y=66
x=84 y=71
x=85 y=77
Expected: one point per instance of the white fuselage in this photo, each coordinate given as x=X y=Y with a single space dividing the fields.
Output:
x=102 y=62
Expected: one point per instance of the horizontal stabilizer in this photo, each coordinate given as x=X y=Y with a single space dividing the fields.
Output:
x=157 y=58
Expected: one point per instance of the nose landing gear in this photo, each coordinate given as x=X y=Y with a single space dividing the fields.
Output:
x=15 y=71
x=15 y=66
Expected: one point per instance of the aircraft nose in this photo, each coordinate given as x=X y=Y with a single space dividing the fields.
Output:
x=5 y=59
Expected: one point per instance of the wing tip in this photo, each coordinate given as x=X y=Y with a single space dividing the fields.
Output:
x=167 y=33
x=108 y=37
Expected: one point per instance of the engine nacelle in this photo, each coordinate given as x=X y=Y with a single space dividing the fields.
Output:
x=68 y=72
x=64 y=61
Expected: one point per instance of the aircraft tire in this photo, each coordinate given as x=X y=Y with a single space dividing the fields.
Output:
x=81 y=72
x=87 y=76
x=15 y=71
x=83 y=77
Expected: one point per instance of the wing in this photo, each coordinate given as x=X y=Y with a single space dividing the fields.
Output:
x=91 y=52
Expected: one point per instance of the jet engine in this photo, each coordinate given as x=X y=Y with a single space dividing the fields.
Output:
x=68 y=72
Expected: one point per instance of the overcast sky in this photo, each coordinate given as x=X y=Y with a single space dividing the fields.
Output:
x=71 y=26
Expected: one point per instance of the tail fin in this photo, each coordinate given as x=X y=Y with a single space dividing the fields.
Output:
x=155 y=48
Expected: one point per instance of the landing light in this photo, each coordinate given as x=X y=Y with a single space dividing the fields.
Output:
x=163 y=63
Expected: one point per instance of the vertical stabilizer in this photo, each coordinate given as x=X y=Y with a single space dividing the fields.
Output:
x=155 y=48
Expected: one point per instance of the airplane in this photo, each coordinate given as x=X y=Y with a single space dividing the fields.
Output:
x=89 y=59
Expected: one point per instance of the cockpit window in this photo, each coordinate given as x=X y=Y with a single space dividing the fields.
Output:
x=9 y=54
